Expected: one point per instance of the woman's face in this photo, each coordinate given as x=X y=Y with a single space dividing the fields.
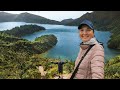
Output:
x=86 y=33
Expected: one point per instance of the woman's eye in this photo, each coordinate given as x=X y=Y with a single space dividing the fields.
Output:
x=88 y=30
x=81 y=30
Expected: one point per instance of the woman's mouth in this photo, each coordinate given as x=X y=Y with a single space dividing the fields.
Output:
x=85 y=37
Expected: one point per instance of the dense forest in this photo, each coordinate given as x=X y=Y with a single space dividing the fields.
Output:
x=112 y=68
x=20 y=58
x=23 y=30
x=40 y=45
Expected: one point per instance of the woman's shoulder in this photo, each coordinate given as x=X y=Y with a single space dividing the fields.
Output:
x=97 y=50
x=98 y=46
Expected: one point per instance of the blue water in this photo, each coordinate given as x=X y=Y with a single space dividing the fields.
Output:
x=67 y=46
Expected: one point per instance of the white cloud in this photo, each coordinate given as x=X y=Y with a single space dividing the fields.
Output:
x=55 y=15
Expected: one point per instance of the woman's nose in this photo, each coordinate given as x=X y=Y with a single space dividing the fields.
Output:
x=84 y=32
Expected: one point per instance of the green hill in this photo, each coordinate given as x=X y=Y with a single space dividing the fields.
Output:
x=114 y=42
x=23 y=30
x=112 y=68
x=22 y=45
x=18 y=57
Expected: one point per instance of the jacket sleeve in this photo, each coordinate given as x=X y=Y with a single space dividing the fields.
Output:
x=97 y=64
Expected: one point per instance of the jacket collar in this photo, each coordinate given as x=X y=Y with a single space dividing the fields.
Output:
x=85 y=45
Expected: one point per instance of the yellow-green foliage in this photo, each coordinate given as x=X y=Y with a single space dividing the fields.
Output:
x=19 y=58
x=112 y=68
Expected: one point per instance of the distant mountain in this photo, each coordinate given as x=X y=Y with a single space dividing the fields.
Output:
x=99 y=18
x=25 y=17
x=6 y=17
x=65 y=21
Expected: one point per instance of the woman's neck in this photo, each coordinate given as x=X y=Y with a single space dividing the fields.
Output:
x=91 y=41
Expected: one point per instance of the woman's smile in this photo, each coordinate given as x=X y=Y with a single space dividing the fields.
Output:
x=86 y=33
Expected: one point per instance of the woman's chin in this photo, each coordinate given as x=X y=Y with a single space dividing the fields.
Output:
x=85 y=40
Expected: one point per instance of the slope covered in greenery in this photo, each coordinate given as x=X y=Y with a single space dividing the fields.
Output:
x=114 y=42
x=18 y=57
x=112 y=68
x=23 y=30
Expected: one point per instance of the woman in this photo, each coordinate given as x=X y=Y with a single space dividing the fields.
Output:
x=92 y=66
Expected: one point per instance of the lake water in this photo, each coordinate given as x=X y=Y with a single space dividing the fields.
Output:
x=67 y=46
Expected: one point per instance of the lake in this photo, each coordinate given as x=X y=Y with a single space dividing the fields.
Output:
x=67 y=46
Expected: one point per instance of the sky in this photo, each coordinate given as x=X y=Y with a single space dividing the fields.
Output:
x=54 y=15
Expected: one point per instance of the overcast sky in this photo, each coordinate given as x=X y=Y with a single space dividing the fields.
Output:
x=54 y=15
